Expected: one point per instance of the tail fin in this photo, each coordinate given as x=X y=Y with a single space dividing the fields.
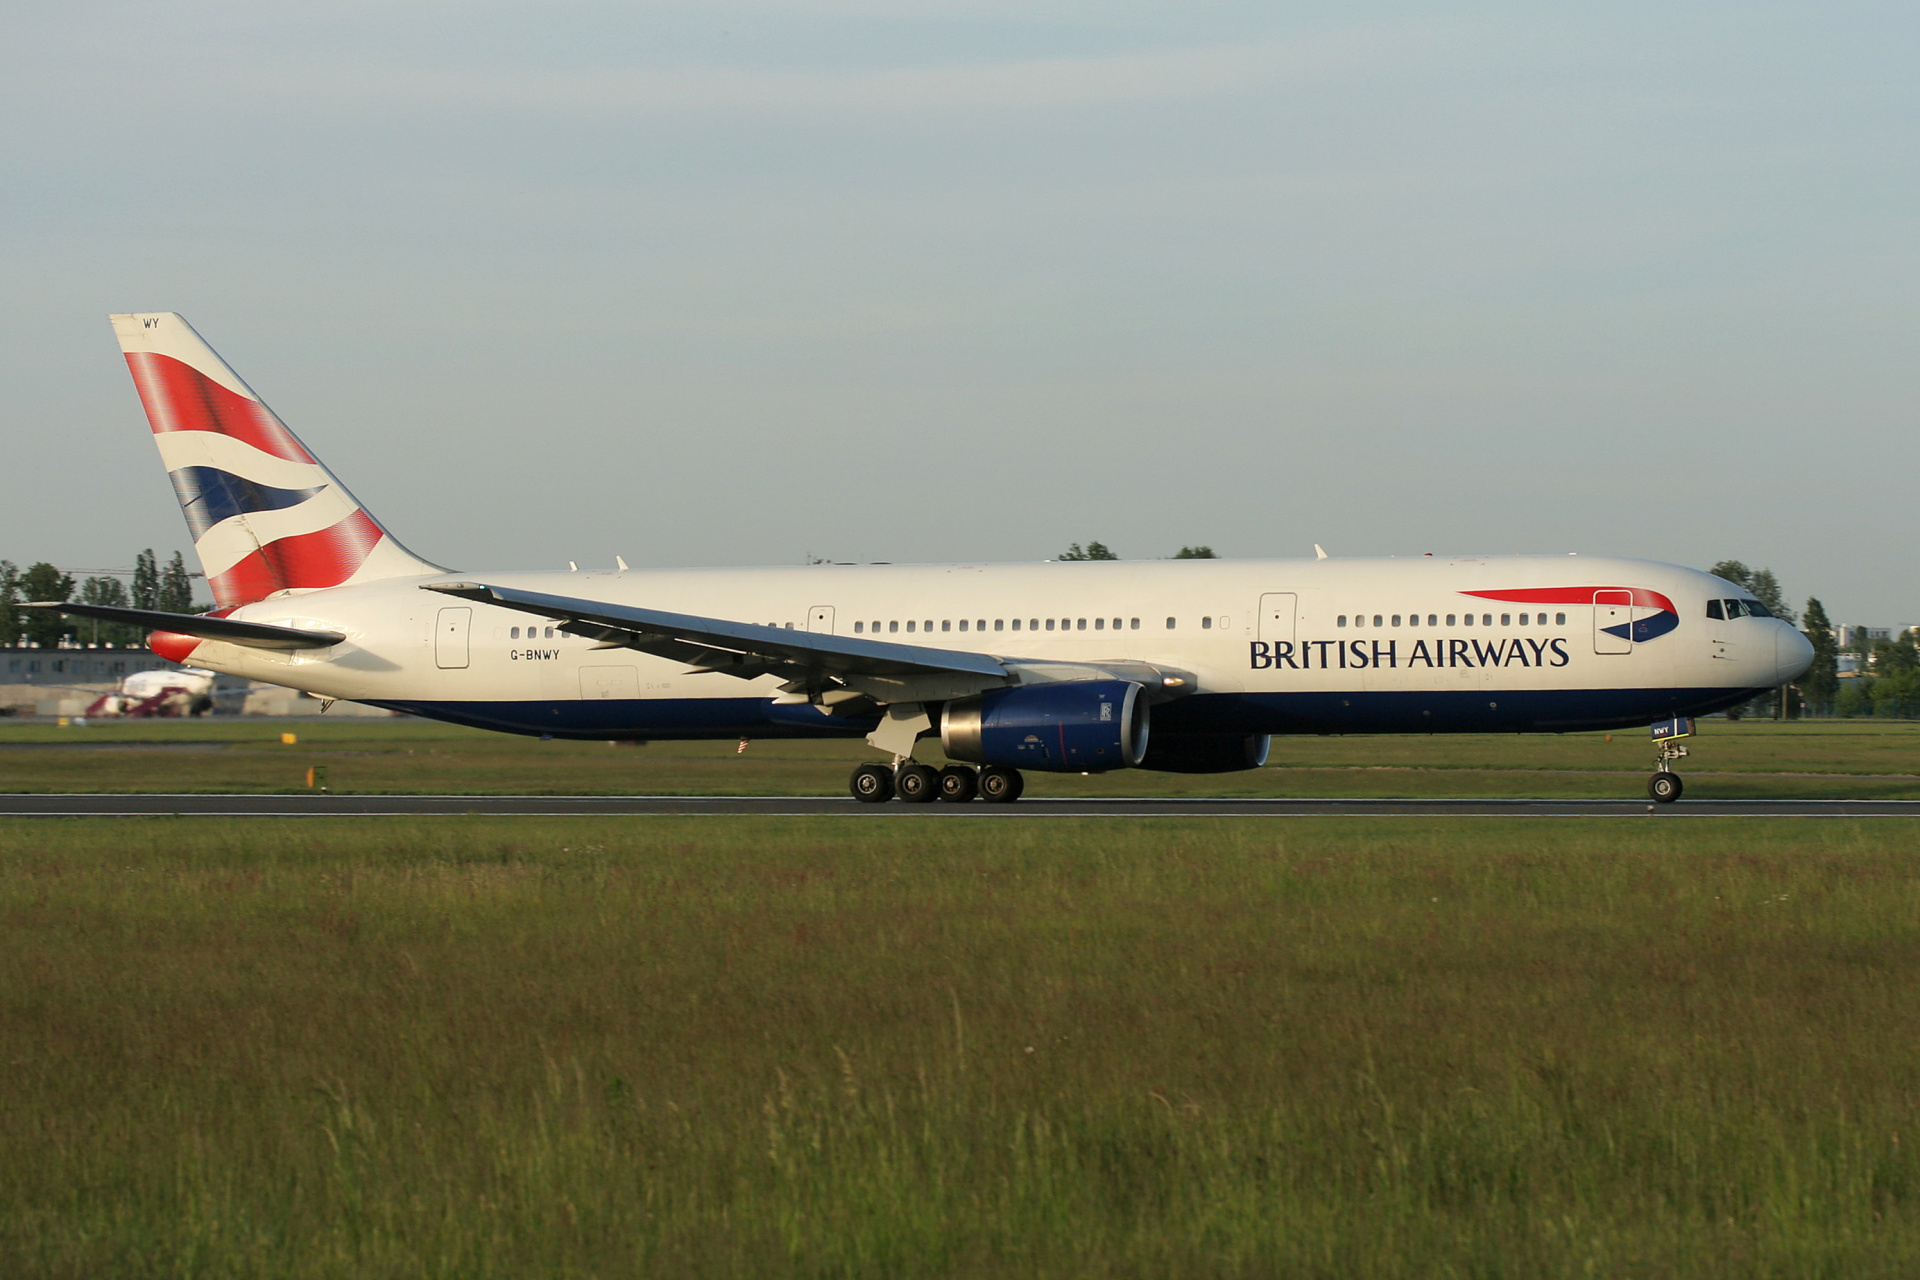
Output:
x=265 y=515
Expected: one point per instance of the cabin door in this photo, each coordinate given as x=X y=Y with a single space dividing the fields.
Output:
x=1613 y=622
x=1277 y=612
x=450 y=637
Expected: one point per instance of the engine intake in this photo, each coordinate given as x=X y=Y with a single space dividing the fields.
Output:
x=1206 y=752
x=1075 y=726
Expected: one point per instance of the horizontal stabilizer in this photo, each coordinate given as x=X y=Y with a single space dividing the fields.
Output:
x=255 y=635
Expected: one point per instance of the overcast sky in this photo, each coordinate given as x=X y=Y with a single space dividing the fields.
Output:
x=729 y=284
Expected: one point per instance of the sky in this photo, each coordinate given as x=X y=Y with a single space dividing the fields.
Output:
x=938 y=281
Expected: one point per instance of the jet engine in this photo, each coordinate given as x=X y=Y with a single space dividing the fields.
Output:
x=1076 y=726
x=1206 y=752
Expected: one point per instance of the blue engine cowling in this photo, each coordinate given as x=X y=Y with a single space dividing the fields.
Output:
x=1074 y=726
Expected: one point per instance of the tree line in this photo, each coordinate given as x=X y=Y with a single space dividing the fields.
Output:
x=166 y=587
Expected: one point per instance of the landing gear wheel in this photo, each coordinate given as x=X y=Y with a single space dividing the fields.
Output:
x=872 y=784
x=916 y=784
x=958 y=784
x=1001 y=786
x=1665 y=787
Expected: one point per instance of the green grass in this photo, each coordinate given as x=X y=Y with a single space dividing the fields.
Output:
x=1829 y=759
x=889 y=1048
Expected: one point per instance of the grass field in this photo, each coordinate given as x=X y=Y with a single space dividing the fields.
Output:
x=664 y=1047
x=1823 y=759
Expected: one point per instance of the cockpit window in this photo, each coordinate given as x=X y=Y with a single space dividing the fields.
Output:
x=1757 y=610
x=1715 y=611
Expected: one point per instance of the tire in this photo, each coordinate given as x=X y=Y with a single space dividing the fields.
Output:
x=958 y=784
x=916 y=784
x=1001 y=786
x=1665 y=787
x=872 y=784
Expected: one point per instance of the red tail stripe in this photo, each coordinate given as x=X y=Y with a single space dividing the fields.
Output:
x=1575 y=595
x=303 y=561
x=179 y=397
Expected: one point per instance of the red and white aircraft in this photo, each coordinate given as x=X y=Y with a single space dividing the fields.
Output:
x=1186 y=666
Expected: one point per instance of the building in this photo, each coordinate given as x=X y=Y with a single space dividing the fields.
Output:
x=65 y=681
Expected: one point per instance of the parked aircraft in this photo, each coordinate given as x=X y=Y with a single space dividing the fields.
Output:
x=1086 y=667
x=181 y=692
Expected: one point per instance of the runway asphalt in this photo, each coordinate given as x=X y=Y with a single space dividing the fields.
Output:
x=283 y=806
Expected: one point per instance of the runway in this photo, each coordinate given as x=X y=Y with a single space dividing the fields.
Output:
x=410 y=806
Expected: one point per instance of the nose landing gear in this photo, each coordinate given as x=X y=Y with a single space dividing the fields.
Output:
x=1664 y=787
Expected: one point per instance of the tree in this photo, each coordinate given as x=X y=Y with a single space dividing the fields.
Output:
x=108 y=591
x=44 y=582
x=9 y=597
x=176 y=589
x=1896 y=656
x=1094 y=551
x=1195 y=553
x=146 y=580
x=1821 y=682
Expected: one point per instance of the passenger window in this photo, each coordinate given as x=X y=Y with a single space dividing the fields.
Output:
x=1413 y=619
x=1341 y=621
x=1376 y=619
x=1468 y=620
x=963 y=624
x=1486 y=619
x=1033 y=624
x=1082 y=626
x=1433 y=619
x=1116 y=624
x=1359 y=619
x=1506 y=619
x=909 y=626
x=1016 y=624
x=1206 y=624
x=513 y=633
x=1523 y=619
x=1396 y=619
x=1136 y=624
x=1559 y=619
x=894 y=626
x=550 y=630
x=1000 y=624
x=946 y=624
x=1099 y=624
x=1049 y=624
x=1169 y=624
x=927 y=625
x=1450 y=621
x=981 y=625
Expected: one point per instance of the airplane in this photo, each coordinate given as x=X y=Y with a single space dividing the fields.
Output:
x=1187 y=666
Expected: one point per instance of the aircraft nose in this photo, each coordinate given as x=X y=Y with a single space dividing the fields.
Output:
x=1792 y=654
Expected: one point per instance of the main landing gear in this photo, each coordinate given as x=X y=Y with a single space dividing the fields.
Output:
x=920 y=784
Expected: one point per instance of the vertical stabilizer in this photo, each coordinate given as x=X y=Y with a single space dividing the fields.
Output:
x=265 y=515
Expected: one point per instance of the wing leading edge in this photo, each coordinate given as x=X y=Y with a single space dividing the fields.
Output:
x=810 y=663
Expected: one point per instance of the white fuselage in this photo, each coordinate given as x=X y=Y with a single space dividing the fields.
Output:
x=1370 y=645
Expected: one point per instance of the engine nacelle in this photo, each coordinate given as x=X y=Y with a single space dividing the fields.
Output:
x=1072 y=726
x=1206 y=752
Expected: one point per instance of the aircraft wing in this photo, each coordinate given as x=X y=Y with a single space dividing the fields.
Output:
x=808 y=661
x=255 y=635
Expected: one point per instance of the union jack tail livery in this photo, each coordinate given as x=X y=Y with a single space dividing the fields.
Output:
x=266 y=517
